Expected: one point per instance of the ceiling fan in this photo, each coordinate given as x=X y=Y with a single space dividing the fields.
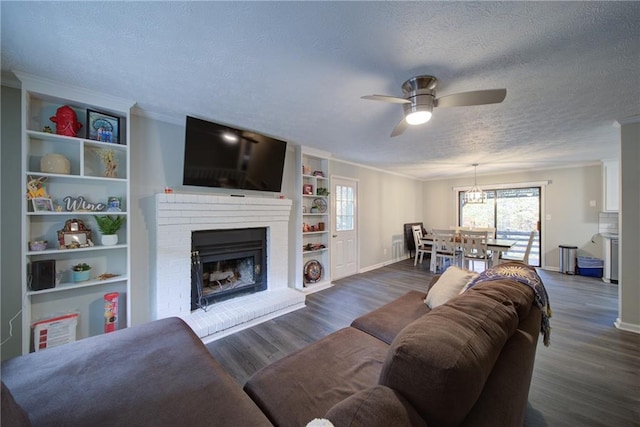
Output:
x=419 y=100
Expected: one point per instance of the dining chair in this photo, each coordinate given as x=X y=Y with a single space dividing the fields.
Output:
x=527 y=252
x=474 y=248
x=446 y=246
x=421 y=247
x=491 y=231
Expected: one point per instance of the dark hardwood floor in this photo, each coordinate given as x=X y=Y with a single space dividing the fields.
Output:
x=588 y=376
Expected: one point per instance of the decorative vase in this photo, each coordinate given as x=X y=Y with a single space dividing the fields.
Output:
x=109 y=239
x=66 y=121
x=81 y=276
x=55 y=163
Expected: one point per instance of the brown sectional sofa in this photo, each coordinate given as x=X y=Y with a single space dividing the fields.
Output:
x=467 y=362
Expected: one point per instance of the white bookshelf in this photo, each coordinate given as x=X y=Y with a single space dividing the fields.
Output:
x=40 y=100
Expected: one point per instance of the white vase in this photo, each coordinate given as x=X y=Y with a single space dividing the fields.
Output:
x=109 y=239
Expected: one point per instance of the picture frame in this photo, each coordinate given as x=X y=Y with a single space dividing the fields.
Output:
x=42 y=204
x=307 y=189
x=74 y=235
x=103 y=127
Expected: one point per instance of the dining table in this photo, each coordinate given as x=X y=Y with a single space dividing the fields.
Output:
x=495 y=246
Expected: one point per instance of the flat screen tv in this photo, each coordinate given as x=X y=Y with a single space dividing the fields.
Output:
x=221 y=156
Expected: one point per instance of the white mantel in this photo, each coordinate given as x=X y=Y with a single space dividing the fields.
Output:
x=177 y=216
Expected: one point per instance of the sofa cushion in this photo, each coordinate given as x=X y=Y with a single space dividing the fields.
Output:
x=440 y=362
x=306 y=384
x=448 y=286
x=12 y=414
x=385 y=322
x=155 y=374
x=377 y=406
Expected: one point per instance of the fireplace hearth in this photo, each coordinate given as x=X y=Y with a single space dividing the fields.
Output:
x=226 y=264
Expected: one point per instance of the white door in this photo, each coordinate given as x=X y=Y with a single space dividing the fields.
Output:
x=344 y=243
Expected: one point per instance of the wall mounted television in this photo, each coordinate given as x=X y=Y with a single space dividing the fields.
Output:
x=224 y=157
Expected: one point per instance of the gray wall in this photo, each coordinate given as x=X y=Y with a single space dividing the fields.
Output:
x=565 y=201
x=157 y=150
x=10 y=288
x=386 y=202
x=629 y=291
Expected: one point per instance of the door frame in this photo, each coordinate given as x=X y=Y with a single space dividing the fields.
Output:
x=543 y=209
x=356 y=184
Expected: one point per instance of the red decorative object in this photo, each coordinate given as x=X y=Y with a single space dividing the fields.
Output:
x=111 y=312
x=66 y=121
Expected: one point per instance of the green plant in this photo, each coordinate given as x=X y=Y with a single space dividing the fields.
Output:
x=109 y=224
x=322 y=191
x=81 y=267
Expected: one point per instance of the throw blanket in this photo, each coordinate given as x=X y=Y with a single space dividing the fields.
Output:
x=526 y=275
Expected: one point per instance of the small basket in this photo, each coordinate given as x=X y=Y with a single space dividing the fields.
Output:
x=37 y=245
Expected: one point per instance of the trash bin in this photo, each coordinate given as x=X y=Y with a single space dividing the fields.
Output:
x=568 y=259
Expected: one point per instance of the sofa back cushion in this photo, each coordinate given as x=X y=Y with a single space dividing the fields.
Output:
x=520 y=295
x=441 y=361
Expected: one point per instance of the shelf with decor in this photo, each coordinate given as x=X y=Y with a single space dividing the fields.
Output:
x=66 y=286
x=312 y=266
x=75 y=173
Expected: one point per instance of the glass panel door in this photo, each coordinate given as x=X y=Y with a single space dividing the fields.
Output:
x=344 y=208
x=514 y=212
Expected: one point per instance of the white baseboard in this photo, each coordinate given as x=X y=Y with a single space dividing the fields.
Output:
x=624 y=326
x=381 y=264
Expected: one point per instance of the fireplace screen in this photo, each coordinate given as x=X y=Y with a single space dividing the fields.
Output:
x=218 y=276
x=227 y=263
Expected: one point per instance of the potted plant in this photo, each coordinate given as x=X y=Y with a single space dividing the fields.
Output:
x=81 y=272
x=109 y=226
x=322 y=191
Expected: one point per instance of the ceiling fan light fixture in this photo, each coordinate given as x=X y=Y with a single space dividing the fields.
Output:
x=418 y=117
x=475 y=195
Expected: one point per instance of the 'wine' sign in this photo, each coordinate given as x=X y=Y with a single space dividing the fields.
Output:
x=79 y=204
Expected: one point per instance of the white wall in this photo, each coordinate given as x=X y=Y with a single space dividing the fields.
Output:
x=385 y=202
x=565 y=199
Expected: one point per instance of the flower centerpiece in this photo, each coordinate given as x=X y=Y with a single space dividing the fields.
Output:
x=109 y=226
x=109 y=161
x=81 y=272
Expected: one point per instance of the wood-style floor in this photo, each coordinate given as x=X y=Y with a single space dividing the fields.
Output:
x=588 y=376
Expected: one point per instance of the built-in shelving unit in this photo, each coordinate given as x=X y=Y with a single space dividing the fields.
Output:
x=313 y=262
x=86 y=178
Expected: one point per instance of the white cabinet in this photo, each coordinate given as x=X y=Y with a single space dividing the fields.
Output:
x=73 y=173
x=313 y=223
x=610 y=186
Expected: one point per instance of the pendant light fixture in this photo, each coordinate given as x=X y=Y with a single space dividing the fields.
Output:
x=475 y=195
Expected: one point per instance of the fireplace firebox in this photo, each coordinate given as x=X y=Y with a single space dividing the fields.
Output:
x=226 y=264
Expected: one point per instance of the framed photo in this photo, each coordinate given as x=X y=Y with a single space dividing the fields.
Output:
x=307 y=189
x=103 y=127
x=42 y=204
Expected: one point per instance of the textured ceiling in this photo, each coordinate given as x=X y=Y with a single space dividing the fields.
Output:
x=297 y=70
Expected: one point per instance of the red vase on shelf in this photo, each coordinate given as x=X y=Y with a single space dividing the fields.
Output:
x=66 y=121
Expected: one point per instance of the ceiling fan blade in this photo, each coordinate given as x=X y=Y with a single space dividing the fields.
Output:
x=386 y=98
x=400 y=128
x=476 y=97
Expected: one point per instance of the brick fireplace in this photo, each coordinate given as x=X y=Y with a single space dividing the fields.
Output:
x=177 y=217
